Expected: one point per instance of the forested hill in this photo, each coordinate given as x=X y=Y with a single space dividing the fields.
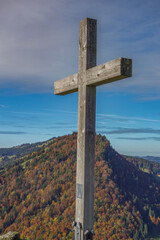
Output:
x=37 y=194
x=10 y=155
x=145 y=165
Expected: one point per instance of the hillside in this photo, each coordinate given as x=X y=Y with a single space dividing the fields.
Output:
x=37 y=194
x=151 y=158
x=145 y=165
x=10 y=155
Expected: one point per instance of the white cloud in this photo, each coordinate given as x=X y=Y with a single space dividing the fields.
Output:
x=124 y=118
x=2 y=106
x=39 y=41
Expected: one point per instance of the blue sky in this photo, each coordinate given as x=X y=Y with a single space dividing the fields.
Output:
x=39 y=45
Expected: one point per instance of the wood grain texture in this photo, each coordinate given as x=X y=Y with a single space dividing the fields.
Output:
x=85 y=82
x=114 y=70
x=108 y=72
x=86 y=126
x=66 y=85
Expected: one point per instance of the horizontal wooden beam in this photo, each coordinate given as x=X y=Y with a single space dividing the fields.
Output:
x=66 y=85
x=108 y=72
x=105 y=73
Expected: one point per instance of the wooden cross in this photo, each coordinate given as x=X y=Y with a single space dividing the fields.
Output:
x=85 y=82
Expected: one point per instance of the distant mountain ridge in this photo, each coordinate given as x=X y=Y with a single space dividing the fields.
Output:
x=145 y=165
x=151 y=158
x=37 y=194
x=10 y=155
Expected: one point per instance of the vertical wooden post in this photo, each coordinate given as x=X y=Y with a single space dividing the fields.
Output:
x=86 y=128
x=85 y=82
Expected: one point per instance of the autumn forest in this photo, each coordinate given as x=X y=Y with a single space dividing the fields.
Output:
x=37 y=193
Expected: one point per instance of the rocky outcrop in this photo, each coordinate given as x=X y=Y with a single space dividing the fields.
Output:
x=10 y=236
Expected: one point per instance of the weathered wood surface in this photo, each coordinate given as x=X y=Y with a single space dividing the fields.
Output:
x=86 y=126
x=85 y=82
x=108 y=72
x=66 y=85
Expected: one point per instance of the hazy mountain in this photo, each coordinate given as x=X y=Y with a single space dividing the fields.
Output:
x=37 y=194
x=153 y=159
